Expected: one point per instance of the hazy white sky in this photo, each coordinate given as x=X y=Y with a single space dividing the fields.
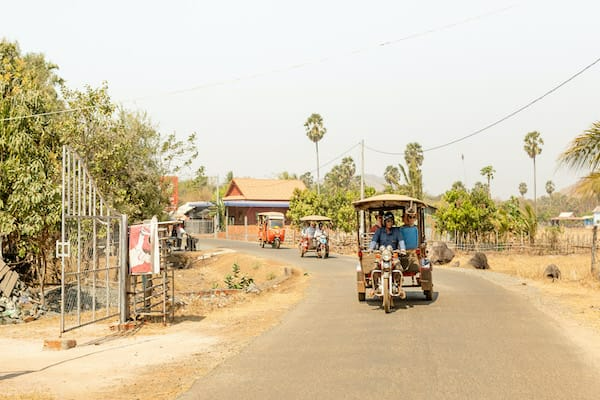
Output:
x=245 y=75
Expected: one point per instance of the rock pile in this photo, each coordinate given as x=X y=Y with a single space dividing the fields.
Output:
x=17 y=303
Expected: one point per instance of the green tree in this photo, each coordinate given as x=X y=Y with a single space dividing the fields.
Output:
x=308 y=180
x=342 y=177
x=584 y=154
x=468 y=215
x=124 y=153
x=550 y=188
x=315 y=132
x=286 y=176
x=533 y=148
x=413 y=156
x=30 y=152
x=488 y=172
x=522 y=189
x=392 y=178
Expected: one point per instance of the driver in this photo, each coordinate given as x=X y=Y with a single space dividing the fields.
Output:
x=319 y=230
x=388 y=235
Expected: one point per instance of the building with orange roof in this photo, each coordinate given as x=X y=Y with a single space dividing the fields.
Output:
x=246 y=197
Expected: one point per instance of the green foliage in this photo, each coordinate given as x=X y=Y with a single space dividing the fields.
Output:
x=468 y=214
x=522 y=188
x=124 y=153
x=286 y=176
x=29 y=153
x=584 y=154
x=308 y=180
x=341 y=187
x=342 y=177
x=411 y=174
x=236 y=281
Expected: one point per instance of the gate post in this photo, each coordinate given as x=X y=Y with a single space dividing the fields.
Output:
x=124 y=272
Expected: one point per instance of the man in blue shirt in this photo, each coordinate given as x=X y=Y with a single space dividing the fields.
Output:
x=388 y=235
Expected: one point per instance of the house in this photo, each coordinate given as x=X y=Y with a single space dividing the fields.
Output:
x=196 y=216
x=568 y=219
x=245 y=197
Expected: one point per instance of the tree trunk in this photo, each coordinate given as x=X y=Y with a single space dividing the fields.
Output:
x=534 y=189
x=318 y=176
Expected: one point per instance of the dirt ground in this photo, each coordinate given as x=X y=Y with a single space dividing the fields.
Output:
x=152 y=361
x=155 y=361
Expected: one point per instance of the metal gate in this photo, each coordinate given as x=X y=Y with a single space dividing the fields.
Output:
x=93 y=250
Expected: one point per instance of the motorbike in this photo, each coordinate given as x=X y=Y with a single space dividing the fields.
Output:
x=384 y=271
x=386 y=276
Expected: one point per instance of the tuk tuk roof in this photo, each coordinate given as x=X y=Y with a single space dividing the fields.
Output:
x=315 y=218
x=382 y=201
x=271 y=214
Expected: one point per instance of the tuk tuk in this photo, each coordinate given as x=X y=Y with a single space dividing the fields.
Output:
x=314 y=235
x=386 y=271
x=271 y=228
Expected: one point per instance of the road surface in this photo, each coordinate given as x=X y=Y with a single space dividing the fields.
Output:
x=475 y=340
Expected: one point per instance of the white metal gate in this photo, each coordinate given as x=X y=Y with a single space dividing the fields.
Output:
x=93 y=250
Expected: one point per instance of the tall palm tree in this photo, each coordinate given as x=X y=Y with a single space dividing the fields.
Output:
x=533 y=148
x=488 y=172
x=315 y=132
x=522 y=189
x=584 y=152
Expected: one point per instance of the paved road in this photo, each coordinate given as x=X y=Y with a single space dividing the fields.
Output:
x=475 y=340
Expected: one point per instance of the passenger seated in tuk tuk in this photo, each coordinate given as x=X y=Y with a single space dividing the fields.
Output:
x=410 y=235
x=378 y=222
x=388 y=235
x=309 y=231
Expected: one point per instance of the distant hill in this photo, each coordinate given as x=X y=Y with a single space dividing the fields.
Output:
x=375 y=181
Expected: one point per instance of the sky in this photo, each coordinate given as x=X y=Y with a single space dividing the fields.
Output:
x=245 y=76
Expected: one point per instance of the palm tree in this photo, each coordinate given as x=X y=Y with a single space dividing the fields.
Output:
x=584 y=152
x=533 y=148
x=488 y=172
x=550 y=188
x=413 y=155
x=392 y=177
x=315 y=132
x=522 y=189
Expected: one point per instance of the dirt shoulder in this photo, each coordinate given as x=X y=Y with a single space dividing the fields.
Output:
x=152 y=361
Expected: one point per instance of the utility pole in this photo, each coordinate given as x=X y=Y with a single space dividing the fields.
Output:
x=362 y=169
x=362 y=183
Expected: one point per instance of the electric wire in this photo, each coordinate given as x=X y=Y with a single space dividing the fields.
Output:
x=499 y=121
x=290 y=67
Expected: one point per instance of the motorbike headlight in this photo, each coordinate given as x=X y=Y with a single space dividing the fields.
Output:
x=386 y=254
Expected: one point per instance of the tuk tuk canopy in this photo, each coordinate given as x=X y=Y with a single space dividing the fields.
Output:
x=387 y=201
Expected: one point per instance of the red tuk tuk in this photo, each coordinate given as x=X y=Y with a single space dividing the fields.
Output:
x=271 y=228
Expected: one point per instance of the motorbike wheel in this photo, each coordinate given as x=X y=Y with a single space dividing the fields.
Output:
x=262 y=243
x=428 y=294
x=387 y=297
x=276 y=243
x=362 y=296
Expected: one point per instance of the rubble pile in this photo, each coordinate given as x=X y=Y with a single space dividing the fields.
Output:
x=17 y=303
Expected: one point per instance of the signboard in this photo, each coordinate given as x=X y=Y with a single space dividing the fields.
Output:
x=144 y=257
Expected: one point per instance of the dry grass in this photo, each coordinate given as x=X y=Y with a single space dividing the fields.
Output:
x=577 y=292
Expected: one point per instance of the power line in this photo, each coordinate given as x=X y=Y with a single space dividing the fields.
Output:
x=47 y=113
x=290 y=67
x=506 y=117
x=337 y=157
